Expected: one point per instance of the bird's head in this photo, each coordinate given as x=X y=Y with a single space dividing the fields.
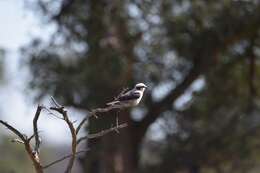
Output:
x=140 y=86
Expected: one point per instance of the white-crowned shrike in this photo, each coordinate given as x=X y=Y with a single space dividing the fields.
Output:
x=130 y=98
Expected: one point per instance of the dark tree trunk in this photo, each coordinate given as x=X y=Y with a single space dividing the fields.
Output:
x=115 y=153
x=194 y=168
x=129 y=147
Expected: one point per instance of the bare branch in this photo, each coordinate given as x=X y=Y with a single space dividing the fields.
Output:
x=33 y=152
x=35 y=129
x=34 y=156
x=26 y=142
x=51 y=113
x=81 y=124
x=74 y=131
x=17 y=141
x=61 y=159
x=73 y=143
x=108 y=108
x=31 y=137
x=14 y=130
x=56 y=104
x=102 y=133
x=94 y=112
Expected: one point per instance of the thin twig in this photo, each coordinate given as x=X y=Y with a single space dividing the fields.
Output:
x=56 y=104
x=51 y=113
x=14 y=130
x=102 y=110
x=19 y=141
x=61 y=159
x=81 y=124
x=102 y=133
x=31 y=137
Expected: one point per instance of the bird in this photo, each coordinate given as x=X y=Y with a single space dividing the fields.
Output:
x=129 y=98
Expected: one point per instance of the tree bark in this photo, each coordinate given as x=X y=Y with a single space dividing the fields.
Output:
x=194 y=168
x=119 y=152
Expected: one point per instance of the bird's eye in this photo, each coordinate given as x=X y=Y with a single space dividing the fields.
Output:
x=138 y=88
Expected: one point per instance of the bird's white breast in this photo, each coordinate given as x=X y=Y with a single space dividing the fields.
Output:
x=137 y=101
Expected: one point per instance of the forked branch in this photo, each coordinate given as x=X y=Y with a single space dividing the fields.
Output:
x=23 y=139
x=33 y=151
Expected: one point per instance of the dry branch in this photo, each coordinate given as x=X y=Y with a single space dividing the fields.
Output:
x=14 y=130
x=94 y=112
x=19 y=141
x=64 y=113
x=26 y=142
x=81 y=124
x=102 y=133
x=35 y=129
x=33 y=152
x=74 y=131
x=61 y=159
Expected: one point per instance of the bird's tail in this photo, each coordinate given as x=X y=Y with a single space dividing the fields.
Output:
x=112 y=103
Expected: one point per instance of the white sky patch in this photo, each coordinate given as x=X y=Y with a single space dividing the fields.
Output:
x=160 y=91
x=134 y=11
x=138 y=113
x=19 y=25
x=17 y=28
x=197 y=85
x=13 y=25
x=155 y=131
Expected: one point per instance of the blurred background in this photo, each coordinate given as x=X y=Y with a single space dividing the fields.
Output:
x=199 y=58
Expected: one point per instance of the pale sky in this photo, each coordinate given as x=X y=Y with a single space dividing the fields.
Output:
x=18 y=26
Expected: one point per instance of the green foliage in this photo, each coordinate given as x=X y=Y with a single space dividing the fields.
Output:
x=2 y=58
x=13 y=158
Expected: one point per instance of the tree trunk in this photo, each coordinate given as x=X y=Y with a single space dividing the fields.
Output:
x=118 y=153
x=194 y=168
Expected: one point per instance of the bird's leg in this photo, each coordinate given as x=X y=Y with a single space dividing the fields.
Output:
x=117 y=114
x=117 y=125
x=117 y=121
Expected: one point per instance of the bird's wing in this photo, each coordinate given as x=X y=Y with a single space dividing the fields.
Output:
x=129 y=96
x=123 y=92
